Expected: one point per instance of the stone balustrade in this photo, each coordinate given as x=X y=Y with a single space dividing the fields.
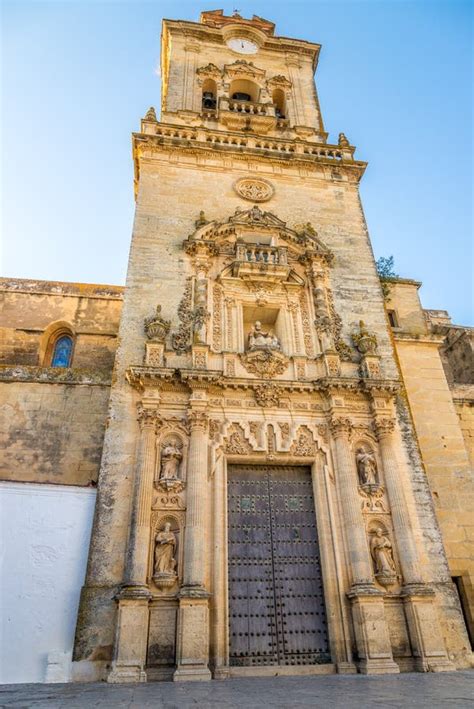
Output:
x=262 y=109
x=261 y=253
x=260 y=144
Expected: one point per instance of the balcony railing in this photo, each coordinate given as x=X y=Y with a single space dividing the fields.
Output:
x=248 y=107
x=299 y=149
x=261 y=254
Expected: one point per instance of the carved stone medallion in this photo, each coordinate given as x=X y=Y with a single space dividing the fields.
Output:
x=254 y=190
x=264 y=363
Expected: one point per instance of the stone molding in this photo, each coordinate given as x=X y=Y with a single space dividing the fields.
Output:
x=54 y=375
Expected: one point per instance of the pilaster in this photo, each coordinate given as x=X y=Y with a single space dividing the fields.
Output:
x=419 y=599
x=370 y=624
x=132 y=623
x=192 y=656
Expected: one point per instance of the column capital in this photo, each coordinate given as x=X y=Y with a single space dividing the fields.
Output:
x=198 y=420
x=147 y=418
x=341 y=426
x=384 y=427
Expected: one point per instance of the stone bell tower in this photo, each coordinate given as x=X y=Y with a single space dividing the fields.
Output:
x=262 y=505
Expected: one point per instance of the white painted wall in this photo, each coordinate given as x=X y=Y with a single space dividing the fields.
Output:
x=45 y=532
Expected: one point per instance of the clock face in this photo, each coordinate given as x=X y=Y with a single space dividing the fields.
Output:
x=243 y=46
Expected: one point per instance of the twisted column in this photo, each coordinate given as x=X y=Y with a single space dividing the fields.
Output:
x=359 y=559
x=401 y=521
x=138 y=543
x=196 y=501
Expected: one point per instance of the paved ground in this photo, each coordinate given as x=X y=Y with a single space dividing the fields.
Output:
x=445 y=690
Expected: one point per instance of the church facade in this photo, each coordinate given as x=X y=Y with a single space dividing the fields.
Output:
x=278 y=492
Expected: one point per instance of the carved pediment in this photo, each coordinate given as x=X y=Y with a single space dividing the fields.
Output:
x=303 y=241
x=209 y=71
x=279 y=82
x=255 y=216
x=242 y=68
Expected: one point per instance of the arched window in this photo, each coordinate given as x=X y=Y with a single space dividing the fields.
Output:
x=244 y=90
x=278 y=99
x=209 y=95
x=62 y=351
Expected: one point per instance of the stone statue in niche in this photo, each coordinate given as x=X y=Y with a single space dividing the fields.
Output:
x=382 y=556
x=366 y=467
x=164 y=569
x=260 y=340
x=171 y=457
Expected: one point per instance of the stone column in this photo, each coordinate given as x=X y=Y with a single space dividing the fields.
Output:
x=370 y=625
x=192 y=656
x=419 y=598
x=132 y=618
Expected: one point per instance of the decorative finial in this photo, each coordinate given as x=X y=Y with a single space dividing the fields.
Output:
x=365 y=341
x=201 y=221
x=150 y=114
x=156 y=327
x=343 y=142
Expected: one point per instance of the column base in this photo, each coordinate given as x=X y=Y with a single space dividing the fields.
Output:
x=120 y=673
x=346 y=668
x=192 y=651
x=429 y=650
x=131 y=636
x=371 y=631
x=192 y=674
x=378 y=667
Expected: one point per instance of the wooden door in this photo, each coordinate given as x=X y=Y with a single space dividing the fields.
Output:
x=276 y=603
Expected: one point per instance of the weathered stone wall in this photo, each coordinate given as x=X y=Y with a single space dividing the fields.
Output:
x=53 y=419
x=443 y=418
x=463 y=397
x=29 y=308
x=52 y=433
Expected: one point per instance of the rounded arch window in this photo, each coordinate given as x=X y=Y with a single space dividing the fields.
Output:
x=244 y=90
x=209 y=94
x=61 y=355
x=278 y=99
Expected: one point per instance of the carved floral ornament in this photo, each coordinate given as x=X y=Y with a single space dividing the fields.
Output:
x=258 y=437
x=254 y=190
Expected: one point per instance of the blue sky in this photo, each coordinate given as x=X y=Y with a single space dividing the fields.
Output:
x=396 y=77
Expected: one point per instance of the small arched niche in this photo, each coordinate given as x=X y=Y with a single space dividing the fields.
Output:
x=170 y=459
x=209 y=95
x=244 y=90
x=278 y=99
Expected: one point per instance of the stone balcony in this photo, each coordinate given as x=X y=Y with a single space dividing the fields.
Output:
x=260 y=261
x=240 y=115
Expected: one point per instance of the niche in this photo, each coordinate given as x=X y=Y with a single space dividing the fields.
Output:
x=244 y=90
x=278 y=98
x=264 y=327
x=209 y=95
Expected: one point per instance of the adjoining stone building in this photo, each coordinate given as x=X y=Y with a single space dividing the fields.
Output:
x=284 y=479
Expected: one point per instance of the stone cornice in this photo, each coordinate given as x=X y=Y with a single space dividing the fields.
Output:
x=203 y=142
x=62 y=288
x=204 y=33
x=418 y=339
x=139 y=377
x=54 y=375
